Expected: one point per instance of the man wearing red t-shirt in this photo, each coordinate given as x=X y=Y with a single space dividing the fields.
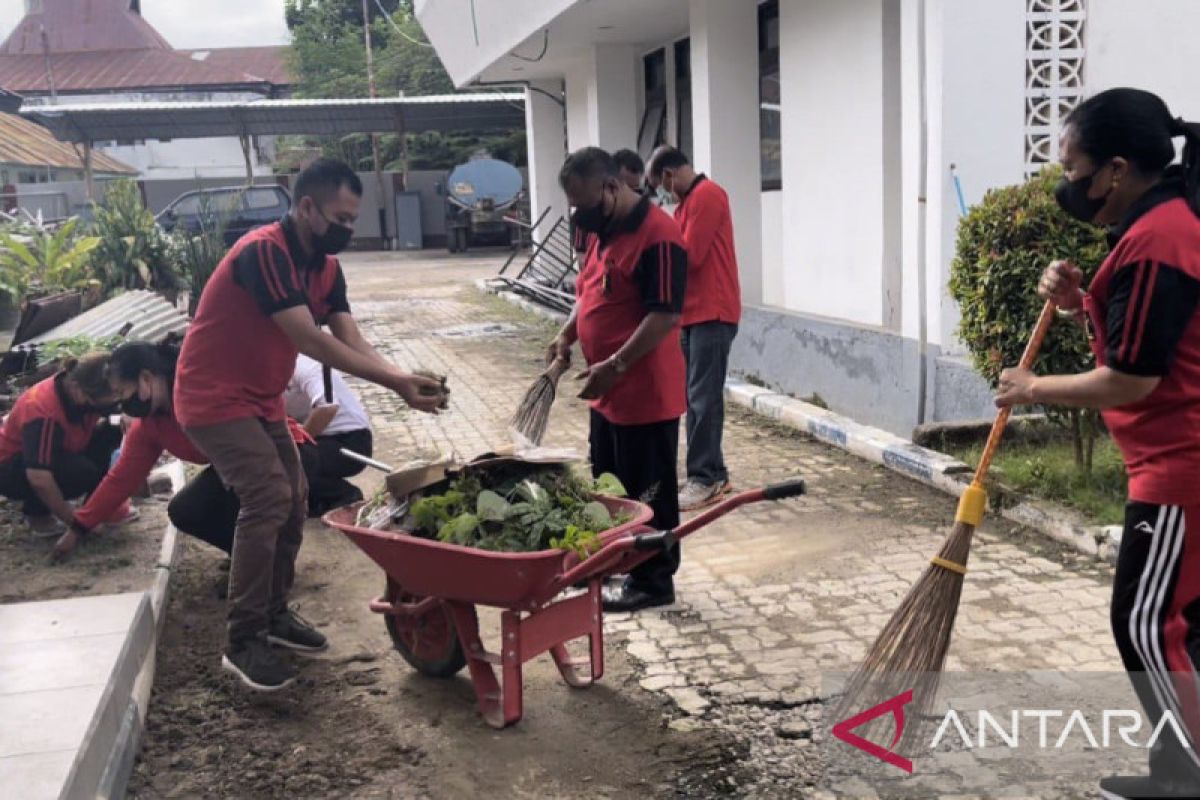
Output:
x=711 y=313
x=265 y=303
x=629 y=296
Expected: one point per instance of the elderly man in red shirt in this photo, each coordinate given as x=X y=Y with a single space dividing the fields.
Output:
x=626 y=319
x=711 y=313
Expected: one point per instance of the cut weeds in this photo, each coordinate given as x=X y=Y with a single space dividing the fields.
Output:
x=1048 y=471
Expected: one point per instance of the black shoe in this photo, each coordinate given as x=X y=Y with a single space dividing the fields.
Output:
x=288 y=629
x=1143 y=787
x=258 y=666
x=630 y=598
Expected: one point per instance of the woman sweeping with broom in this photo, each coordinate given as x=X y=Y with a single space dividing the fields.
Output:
x=1142 y=316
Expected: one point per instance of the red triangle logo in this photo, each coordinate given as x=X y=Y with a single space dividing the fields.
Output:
x=845 y=730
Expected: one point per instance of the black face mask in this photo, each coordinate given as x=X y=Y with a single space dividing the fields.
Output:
x=137 y=407
x=1072 y=196
x=103 y=410
x=592 y=219
x=335 y=238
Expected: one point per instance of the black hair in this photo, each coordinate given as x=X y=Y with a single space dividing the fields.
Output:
x=629 y=161
x=322 y=178
x=1137 y=126
x=90 y=373
x=586 y=163
x=666 y=157
x=129 y=359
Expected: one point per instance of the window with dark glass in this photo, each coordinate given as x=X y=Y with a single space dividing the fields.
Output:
x=683 y=94
x=770 y=134
x=653 y=129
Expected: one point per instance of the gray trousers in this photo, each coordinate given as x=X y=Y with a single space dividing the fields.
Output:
x=706 y=350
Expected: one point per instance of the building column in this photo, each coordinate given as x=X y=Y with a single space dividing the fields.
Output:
x=602 y=99
x=725 y=121
x=545 y=129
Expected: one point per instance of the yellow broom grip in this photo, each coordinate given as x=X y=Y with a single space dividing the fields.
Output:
x=972 y=506
x=1045 y=319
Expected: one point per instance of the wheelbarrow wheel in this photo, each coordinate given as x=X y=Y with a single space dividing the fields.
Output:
x=429 y=643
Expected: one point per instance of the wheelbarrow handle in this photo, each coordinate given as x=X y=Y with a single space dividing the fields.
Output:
x=659 y=540
x=610 y=554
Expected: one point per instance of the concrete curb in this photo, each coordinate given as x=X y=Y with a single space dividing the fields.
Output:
x=110 y=746
x=493 y=287
x=920 y=464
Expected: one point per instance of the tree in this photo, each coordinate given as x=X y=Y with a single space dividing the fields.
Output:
x=1004 y=244
x=328 y=59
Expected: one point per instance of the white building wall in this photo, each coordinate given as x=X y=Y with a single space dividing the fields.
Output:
x=771 y=238
x=831 y=63
x=1147 y=44
x=976 y=57
x=602 y=98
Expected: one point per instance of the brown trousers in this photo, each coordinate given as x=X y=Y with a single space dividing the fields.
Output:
x=259 y=462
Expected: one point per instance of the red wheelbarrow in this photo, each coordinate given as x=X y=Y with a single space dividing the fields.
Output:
x=433 y=589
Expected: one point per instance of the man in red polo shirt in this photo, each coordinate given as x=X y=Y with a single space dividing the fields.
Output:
x=711 y=313
x=629 y=296
x=266 y=301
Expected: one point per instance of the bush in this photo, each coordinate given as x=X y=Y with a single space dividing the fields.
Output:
x=46 y=260
x=133 y=250
x=196 y=255
x=1004 y=244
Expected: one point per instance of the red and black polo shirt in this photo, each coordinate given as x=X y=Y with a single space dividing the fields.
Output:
x=44 y=424
x=637 y=268
x=235 y=361
x=1143 y=306
x=714 y=291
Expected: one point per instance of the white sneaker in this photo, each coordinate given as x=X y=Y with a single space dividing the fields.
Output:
x=695 y=495
x=46 y=527
x=112 y=525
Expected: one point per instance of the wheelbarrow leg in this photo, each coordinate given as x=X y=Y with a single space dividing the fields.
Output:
x=511 y=658
x=568 y=667
x=496 y=707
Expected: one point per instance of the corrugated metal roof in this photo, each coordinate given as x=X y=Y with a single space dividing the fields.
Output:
x=152 y=317
x=264 y=63
x=128 y=70
x=27 y=144
x=483 y=111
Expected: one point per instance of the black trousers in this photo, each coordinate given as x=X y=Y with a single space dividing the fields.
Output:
x=207 y=510
x=76 y=474
x=1156 y=623
x=328 y=488
x=645 y=458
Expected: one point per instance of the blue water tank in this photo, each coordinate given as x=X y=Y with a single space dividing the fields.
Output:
x=484 y=179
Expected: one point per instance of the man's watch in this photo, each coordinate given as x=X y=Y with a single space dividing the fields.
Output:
x=619 y=365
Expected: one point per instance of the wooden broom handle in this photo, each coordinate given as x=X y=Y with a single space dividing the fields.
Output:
x=556 y=369
x=1027 y=358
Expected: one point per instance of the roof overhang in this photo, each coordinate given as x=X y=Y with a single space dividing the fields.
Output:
x=542 y=41
x=124 y=121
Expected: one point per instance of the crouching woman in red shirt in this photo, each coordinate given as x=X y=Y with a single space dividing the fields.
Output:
x=53 y=448
x=142 y=377
x=1143 y=314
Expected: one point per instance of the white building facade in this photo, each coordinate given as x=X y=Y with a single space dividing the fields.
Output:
x=843 y=131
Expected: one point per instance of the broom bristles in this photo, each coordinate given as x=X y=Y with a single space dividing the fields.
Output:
x=533 y=412
x=910 y=651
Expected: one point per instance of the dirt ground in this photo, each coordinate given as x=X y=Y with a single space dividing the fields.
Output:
x=121 y=561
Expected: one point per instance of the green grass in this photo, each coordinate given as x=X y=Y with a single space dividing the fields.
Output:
x=1048 y=471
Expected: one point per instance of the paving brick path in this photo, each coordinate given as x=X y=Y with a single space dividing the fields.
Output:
x=771 y=596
